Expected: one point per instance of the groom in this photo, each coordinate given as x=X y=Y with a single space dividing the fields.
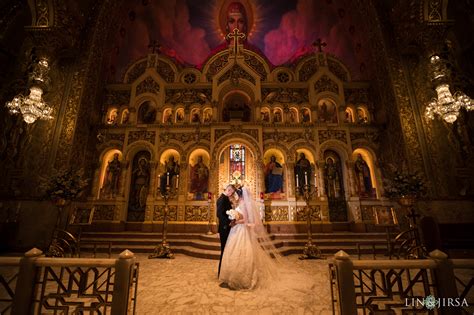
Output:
x=224 y=204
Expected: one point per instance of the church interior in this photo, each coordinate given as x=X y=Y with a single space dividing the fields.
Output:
x=349 y=122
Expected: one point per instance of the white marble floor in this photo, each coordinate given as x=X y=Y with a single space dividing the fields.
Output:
x=188 y=285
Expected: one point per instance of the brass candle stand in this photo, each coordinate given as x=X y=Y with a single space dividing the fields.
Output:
x=311 y=251
x=209 y=223
x=163 y=250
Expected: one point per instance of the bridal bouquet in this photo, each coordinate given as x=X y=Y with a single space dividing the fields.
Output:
x=233 y=214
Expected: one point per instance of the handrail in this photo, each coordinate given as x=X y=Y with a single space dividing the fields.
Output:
x=9 y=261
x=75 y=262
x=384 y=264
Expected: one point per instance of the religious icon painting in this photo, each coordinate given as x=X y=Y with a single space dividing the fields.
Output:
x=305 y=115
x=168 y=116
x=195 y=116
x=112 y=116
x=180 y=115
x=327 y=112
x=293 y=117
x=277 y=116
x=207 y=116
x=265 y=115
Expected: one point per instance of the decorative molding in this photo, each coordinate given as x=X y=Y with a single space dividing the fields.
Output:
x=326 y=84
x=336 y=68
x=196 y=213
x=165 y=71
x=137 y=70
x=217 y=65
x=285 y=95
x=188 y=96
x=325 y=135
x=234 y=74
x=308 y=69
x=276 y=213
x=104 y=212
x=256 y=65
x=159 y=210
x=148 y=86
x=141 y=135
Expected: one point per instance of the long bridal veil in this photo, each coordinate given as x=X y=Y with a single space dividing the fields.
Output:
x=267 y=258
x=274 y=273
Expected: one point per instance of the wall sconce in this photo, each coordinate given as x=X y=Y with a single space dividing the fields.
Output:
x=445 y=105
x=32 y=106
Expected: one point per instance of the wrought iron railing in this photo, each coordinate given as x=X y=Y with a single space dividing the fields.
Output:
x=69 y=285
x=8 y=279
x=400 y=286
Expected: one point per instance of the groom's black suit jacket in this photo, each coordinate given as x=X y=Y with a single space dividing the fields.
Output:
x=223 y=204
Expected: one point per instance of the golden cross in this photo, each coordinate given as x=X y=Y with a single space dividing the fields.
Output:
x=154 y=47
x=236 y=35
x=320 y=44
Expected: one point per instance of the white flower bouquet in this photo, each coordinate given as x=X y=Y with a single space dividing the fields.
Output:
x=233 y=214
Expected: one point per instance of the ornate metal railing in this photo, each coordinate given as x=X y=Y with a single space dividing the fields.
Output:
x=70 y=285
x=8 y=279
x=400 y=286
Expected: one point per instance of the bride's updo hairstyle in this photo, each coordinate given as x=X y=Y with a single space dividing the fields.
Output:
x=239 y=192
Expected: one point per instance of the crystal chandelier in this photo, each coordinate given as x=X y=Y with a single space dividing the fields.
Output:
x=32 y=106
x=446 y=105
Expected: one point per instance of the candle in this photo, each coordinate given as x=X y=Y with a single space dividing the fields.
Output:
x=177 y=179
x=297 y=183
x=167 y=179
x=306 y=178
x=394 y=216
x=315 y=179
x=159 y=181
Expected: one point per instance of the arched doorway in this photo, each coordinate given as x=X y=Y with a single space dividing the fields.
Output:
x=238 y=165
x=236 y=107
x=334 y=186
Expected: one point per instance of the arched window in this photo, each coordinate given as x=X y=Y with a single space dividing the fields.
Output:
x=237 y=163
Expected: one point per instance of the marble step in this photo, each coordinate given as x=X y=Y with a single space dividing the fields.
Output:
x=326 y=251
x=215 y=238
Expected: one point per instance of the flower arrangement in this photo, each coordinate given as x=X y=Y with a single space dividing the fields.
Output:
x=404 y=184
x=65 y=184
x=233 y=214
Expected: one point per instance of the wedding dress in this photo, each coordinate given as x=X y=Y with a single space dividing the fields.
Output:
x=249 y=258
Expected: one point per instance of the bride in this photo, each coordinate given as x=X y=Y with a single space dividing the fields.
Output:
x=247 y=260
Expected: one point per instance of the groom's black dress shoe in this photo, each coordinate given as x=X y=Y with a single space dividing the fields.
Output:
x=224 y=285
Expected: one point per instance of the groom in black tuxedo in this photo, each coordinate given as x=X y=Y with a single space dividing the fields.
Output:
x=224 y=204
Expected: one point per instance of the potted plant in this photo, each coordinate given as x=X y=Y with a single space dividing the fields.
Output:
x=405 y=186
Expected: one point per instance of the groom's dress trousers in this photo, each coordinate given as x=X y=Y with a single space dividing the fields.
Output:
x=223 y=204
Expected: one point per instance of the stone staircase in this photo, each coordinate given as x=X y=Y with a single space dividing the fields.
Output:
x=208 y=246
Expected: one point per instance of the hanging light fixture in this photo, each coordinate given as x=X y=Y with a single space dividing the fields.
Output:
x=32 y=106
x=446 y=105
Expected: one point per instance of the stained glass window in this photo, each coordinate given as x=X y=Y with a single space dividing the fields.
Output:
x=237 y=162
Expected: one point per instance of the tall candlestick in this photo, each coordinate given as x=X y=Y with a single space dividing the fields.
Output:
x=306 y=178
x=167 y=179
x=297 y=182
x=177 y=179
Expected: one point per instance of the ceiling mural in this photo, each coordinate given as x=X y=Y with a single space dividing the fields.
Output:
x=190 y=31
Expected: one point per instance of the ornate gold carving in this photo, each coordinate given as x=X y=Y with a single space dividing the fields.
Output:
x=357 y=96
x=308 y=69
x=276 y=213
x=148 y=85
x=286 y=95
x=256 y=65
x=165 y=71
x=188 y=96
x=158 y=212
x=301 y=213
x=367 y=213
x=104 y=212
x=141 y=135
x=326 y=84
x=196 y=213
x=217 y=65
x=371 y=136
x=234 y=74
x=336 y=68
x=185 y=137
x=218 y=133
x=137 y=70
x=325 y=135
x=118 y=97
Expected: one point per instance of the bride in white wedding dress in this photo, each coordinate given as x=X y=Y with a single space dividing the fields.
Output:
x=247 y=260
